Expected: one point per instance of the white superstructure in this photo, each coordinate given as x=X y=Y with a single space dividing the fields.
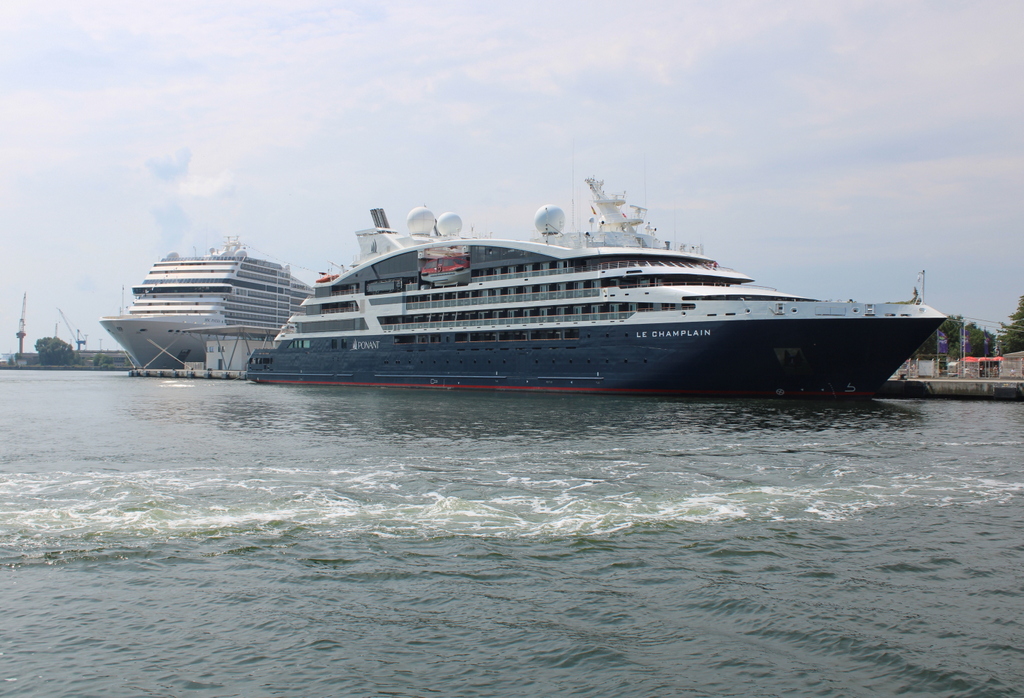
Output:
x=181 y=296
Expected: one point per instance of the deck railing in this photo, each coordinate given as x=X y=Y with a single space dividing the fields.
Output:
x=492 y=322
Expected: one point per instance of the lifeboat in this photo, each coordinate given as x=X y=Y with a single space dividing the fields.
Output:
x=445 y=271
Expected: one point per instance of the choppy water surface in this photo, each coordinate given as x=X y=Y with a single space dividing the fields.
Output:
x=218 y=538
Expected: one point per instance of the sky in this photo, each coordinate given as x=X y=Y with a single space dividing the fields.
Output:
x=828 y=149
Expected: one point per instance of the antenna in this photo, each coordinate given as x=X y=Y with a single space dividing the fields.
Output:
x=645 y=180
x=572 y=190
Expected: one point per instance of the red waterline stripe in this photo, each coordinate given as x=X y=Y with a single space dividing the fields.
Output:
x=552 y=389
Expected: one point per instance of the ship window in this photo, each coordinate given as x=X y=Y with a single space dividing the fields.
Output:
x=384 y=286
x=399 y=264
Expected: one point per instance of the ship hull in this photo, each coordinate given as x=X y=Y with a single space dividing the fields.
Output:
x=846 y=358
x=160 y=343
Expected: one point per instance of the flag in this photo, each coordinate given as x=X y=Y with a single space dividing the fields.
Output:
x=943 y=343
x=986 y=344
x=967 y=343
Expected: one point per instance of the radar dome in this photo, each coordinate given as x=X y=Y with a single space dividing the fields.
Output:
x=171 y=255
x=449 y=224
x=549 y=219
x=420 y=221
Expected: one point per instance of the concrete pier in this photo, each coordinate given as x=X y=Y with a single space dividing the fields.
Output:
x=954 y=388
x=185 y=373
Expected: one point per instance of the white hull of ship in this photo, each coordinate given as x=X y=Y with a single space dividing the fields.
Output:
x=164 y=342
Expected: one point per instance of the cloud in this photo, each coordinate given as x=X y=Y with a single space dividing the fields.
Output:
x=172 y=222
x=200 y=186
x=169 y=168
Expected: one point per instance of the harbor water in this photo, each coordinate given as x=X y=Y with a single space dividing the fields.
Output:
x=175 y=537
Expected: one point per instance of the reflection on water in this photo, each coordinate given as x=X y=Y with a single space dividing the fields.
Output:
x=458 y=415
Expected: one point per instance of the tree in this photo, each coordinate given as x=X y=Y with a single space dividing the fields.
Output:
x=952 y=327
x=1012 y=335
x=102 y=361
x=54 y=351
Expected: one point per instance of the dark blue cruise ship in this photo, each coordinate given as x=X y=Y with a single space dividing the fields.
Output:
x=610 y=310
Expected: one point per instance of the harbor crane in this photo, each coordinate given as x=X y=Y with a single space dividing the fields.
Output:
x=21 y=326
x=79 y=338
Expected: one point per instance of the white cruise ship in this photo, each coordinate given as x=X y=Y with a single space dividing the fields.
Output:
x=183 y=297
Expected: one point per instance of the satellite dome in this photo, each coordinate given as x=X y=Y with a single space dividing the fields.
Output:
x=171 y=255
x=449 y=224
x=549 y=219
x=420 y=221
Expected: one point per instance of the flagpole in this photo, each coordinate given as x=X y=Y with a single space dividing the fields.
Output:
x=963 y=343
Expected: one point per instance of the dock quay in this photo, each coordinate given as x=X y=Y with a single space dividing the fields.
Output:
x=186 y=373
x=953 y=388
